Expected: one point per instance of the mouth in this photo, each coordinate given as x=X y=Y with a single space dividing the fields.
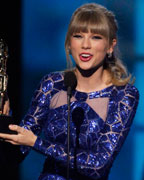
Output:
x=85 y=57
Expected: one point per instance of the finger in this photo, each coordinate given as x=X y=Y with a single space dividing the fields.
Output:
x=7 y=136
x=7 y=112
x=6 y=108
x=16 y=128
x=10 y=141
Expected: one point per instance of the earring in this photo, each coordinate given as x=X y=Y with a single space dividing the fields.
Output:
x=109 y=55
x=69 y=50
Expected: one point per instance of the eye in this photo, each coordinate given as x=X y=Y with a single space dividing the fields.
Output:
x=77 y=36
x=96 y=37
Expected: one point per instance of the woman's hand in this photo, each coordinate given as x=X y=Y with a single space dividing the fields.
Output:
x=23 y=136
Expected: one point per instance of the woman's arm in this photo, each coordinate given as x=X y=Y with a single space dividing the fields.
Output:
x=32 y=123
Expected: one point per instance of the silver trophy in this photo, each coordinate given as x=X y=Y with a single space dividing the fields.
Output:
x=3 y=73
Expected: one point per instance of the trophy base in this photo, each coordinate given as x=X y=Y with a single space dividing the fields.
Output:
x=5 y=121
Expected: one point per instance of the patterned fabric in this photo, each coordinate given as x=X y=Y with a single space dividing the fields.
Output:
x=99 y=124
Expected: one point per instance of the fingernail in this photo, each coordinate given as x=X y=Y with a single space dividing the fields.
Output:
x=11 y=125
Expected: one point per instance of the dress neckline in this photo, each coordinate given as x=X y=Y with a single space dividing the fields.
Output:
x=106 y=89
x=83 y=96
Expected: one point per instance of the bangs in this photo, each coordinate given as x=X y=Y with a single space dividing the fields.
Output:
x=90 y=21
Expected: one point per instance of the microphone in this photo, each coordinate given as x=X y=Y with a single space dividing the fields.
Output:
x=70 y=82
x=77 y=118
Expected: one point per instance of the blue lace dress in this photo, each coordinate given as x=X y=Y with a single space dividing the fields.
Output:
x=99 y=124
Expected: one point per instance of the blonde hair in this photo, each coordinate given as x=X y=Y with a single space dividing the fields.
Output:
x=99 y=20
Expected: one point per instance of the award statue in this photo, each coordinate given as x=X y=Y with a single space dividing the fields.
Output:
x=5 y=120
x=3 y=74
x=9 y=154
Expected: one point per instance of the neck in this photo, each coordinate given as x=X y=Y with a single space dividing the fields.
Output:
x=90 y=80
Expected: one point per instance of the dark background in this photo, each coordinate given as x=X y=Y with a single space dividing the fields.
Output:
x=10 y=24
x=10 y=28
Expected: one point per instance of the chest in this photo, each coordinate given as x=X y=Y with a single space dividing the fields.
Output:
x=86 y=123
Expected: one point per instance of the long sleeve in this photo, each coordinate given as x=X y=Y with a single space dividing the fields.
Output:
x=37 y=113
x=122 y=109
x=96 y=161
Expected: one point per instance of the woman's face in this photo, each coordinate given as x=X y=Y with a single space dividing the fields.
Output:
x=89 y=49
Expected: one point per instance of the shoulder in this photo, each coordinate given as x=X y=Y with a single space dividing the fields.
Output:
x=51 y=80
x=123 y=102
x=125 y=96
x=126 y=90
x=54 y=76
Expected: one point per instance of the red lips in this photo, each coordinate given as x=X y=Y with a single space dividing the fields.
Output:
x=85 y=57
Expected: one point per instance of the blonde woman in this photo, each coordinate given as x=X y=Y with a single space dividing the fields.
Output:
x=105 y=101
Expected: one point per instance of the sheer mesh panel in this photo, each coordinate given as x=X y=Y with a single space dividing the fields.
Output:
x=99 y=105
x=60 y=99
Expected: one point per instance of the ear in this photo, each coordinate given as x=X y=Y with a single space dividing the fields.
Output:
x=111 y=48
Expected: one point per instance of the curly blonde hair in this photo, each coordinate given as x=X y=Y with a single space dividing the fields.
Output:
x=99 y=20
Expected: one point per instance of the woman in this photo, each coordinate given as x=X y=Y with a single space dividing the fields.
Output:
x=103 y=101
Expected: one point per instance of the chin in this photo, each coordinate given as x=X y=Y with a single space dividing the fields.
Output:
x=87 y=71
x=85 y=68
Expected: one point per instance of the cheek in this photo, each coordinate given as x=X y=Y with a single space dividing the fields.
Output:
x=74 y=44
x=101 y=48
x=74 y=48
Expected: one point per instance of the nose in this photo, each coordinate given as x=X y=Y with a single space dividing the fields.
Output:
x=86 y=44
